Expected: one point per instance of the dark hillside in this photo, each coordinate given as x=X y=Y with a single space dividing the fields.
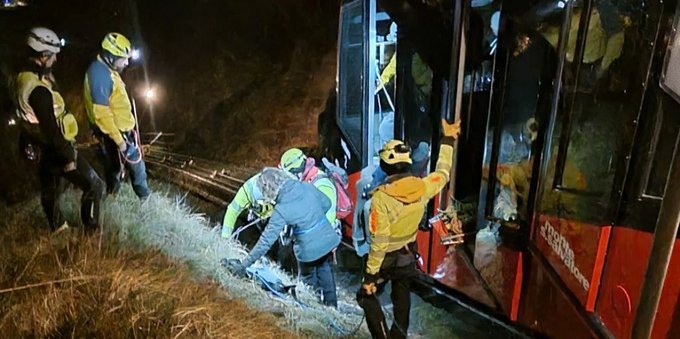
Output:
x=238 y=81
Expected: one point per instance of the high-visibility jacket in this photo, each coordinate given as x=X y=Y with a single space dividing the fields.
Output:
x=421 y=73
x=29 y=81
x=600 y=44
x=106 y=101
x=398 y=205
x=323 y=183
x=248 y=196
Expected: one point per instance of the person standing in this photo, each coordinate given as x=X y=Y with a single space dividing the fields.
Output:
x=48 y=132
x=396 y=210
x=109 y=110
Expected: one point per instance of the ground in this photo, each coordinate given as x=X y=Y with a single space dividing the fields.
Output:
x=71 y=284
x=153 y=271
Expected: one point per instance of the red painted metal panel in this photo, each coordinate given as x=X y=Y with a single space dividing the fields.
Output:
x=499 y=266
x=454 y=272
x=547 y=309
x=352 y=190
x=423 y=242
x=437 y=251
x=517 y=292
x=571 y=249
x=605 y=233
x=622 y=279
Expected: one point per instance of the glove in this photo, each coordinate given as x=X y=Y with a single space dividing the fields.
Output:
x=122 y=147
x=451 y=130
x=368 y=286
x=235 y=267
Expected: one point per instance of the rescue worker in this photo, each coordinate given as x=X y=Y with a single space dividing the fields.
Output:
x=110 y=113
x=605 y=38
x=303 y=208
x=422 y=75
x=396 y=211
x=304 y=168
x=48 y=132
x=248 y=196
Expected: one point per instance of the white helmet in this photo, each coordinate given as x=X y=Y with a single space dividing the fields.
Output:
x=42 y=40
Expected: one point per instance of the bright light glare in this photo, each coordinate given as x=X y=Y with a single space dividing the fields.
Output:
x=12 y=122
x=149 y=93
x=135 y=54
x=63 y=42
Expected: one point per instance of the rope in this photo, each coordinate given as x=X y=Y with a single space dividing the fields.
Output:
x=135 y=137
x=254 y=222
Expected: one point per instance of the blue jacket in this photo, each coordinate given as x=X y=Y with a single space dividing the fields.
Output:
x=302 y=207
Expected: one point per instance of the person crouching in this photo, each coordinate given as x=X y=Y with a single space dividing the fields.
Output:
x=303 y=208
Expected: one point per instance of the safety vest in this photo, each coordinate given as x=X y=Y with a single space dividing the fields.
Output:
x=596 y=38
x=26 y=83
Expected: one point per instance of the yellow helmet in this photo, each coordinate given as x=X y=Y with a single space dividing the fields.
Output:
x=292 y=159
x=118 y=45
x=395 y=151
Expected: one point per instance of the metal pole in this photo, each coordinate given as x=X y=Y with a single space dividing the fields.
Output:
x=660 y=255
x=457 y=77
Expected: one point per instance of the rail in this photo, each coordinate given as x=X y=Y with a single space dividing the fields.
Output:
x=208 y=179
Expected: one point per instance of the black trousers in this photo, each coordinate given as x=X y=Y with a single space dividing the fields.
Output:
x=52 y=180
x=319 y=275
x=399 y=267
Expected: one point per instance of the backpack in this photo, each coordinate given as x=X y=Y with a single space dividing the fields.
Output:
x=338 y=176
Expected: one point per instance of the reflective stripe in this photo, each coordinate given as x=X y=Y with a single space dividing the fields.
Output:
x=389 y=239
x=318 y=223
x=236 y=206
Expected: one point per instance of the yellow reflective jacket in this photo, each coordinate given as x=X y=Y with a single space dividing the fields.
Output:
x=398 y=206
x=324 y=183
x=106 y=101
x=598 y=44
x=26 y=83
x=247 y=196
x=421 y=73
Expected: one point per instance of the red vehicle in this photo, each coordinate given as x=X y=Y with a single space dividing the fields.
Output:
x=566 y=173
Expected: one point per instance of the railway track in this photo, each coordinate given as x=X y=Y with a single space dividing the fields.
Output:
x=206 y=178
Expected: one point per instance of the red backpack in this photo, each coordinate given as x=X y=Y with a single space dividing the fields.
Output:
x=338 y=176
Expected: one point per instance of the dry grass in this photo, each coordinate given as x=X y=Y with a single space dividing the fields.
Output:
x=67 y=285
x=152 y=272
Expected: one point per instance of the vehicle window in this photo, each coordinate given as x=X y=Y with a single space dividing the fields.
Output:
x=599 y=103
x=528 y=66
x=350 y=73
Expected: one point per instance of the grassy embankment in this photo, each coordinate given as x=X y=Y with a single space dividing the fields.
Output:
x=153 y=272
